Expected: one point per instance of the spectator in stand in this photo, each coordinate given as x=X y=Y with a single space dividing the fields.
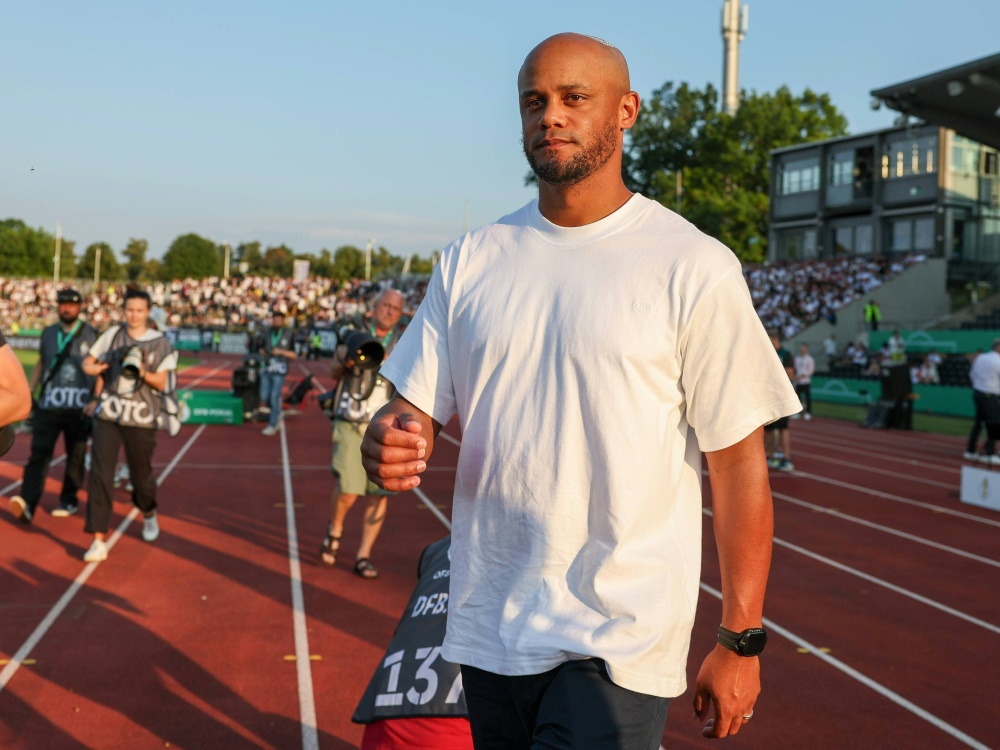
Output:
x=985 y=377
x=830 y=350
x=805 y=366
x=928 y=372
x=897 y=348
x=873 y=315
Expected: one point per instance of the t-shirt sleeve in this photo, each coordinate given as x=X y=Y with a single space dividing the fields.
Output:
x=103 y=344
x=419 y=366
x=169 y=362
x=733 y=382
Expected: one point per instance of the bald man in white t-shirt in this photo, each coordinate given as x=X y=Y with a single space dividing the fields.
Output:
x=586 y=343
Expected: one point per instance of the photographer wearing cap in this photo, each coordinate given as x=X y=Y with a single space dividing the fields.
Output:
x=352 y=412
x=135 y=362
x=63 y=407
x=275 y=343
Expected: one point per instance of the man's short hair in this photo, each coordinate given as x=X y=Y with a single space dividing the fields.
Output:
x=138 y=294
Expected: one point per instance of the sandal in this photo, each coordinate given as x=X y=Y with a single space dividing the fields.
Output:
x=364 y=568
x=329 y=549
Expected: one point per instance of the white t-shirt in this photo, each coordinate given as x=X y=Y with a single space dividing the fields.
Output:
x=805 y=366
x=587 y=365
x=984 y=373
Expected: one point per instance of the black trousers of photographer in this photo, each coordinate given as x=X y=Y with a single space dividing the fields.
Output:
x=46 y=426
x=139 y=442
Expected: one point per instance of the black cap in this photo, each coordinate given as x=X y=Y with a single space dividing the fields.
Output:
x=68 y=295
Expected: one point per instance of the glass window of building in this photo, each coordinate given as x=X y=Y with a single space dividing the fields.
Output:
x=843 y=240
x=902 y=236
x=799 y=176
x=842 y=168
x=909 y=157
x=964 y=156
x=863 y=239
x=923 y=235
x=796 y=244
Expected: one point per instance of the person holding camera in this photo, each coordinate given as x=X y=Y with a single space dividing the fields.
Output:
x=63 y=407
x=136 y=363
x=275 y=343
x=352 y=412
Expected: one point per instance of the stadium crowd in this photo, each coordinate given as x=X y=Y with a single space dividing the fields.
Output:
x=788 y=296
x=209 y=303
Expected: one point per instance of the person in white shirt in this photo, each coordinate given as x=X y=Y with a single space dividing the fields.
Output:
x=586 y=342
x=985 y=377
x=805 y=366
x=830 y=350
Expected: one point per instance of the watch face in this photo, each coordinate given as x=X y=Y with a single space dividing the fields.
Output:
x=753 y=642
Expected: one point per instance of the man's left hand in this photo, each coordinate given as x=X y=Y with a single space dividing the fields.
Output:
x=730 y=683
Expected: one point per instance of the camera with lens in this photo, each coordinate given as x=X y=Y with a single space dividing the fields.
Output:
x=132 y=363
x=365 y=355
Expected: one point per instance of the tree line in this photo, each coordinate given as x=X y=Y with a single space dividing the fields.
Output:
x=30 y=252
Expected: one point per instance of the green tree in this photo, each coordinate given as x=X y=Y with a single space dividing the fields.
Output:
x=191 y=256
x=249 y=253
x=111 y=270
x=724 y=160
x=135 y=253
x=277 y=262
x=154 y=270
x=25 y=251
x=348 y=263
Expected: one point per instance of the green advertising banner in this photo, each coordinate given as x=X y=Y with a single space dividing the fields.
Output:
x=945 y=342
x=930 y=399
x=209 y=407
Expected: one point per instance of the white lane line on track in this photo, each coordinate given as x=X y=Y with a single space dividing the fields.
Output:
x=303 y=665
x=880 y=582
x=12 y=485
x=897 y=498
x=880 y=470
x=841 y=447
x=206 y=376
x=432 y=507
x=887 y=530
x=449 y=438
x=878 y=687
x=43 y=627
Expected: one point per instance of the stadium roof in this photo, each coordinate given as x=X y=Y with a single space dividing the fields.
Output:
x=965 y=98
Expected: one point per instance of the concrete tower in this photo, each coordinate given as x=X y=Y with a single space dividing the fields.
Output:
x=735 y=21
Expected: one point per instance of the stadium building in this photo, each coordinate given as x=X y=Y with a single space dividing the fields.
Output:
x=932 y=187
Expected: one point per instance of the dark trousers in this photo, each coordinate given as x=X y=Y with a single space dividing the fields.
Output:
x=46 y=426
x=805 y=389
x=575 y=705
x=988 y=417
x=139 y=442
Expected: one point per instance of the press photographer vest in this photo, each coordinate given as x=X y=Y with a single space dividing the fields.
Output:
x=280 y=339
x=132 y=403
x=360 y=395
x=69 y=388
x=412 y=679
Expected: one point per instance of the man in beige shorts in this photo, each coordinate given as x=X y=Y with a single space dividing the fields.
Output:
x=351 y=417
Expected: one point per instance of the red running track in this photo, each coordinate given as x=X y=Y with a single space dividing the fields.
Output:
x=884 y=619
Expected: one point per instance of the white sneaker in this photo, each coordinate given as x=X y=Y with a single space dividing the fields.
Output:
x=807 y=416
x=269 y=431
x=150 y=528
x=970 y=456
x=98 y=552
x=796 y=416
x=19 y=509
x=993 y=460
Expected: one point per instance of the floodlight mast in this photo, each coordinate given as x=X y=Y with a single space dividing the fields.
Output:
x=735 y=22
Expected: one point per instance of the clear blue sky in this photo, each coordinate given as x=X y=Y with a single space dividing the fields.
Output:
x=325 y=123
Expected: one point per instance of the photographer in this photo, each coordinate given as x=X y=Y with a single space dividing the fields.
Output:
x=135 y=362
x=351 y=417
x=62 y=407
x=275 y=343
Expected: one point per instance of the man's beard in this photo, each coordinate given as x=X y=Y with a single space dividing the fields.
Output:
x=68 y=318
x=581 y=166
